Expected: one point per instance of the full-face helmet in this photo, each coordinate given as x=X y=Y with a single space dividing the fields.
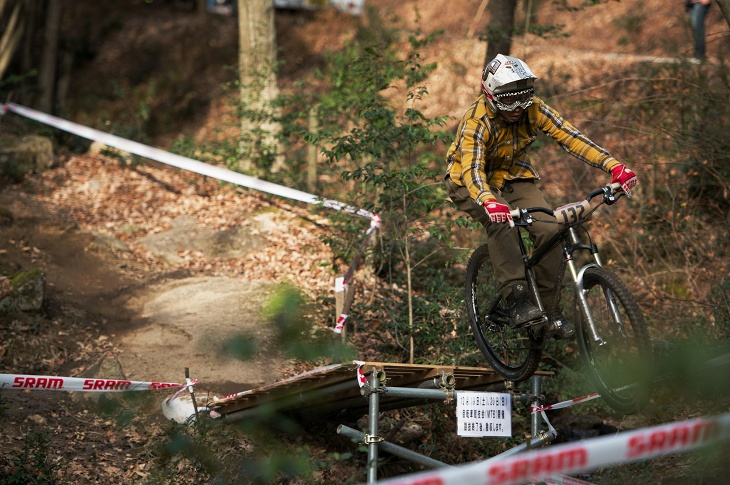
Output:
x=508 y=83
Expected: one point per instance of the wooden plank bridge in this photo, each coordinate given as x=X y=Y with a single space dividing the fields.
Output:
x=334 y=389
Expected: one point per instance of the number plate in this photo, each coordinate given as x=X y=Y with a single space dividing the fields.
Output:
x=572 y=212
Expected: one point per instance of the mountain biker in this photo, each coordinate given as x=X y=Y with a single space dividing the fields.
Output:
x=490 y=170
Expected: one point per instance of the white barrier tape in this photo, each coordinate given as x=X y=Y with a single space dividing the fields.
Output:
x=56 y=383
x=551 y=430
x=178 y=161
x=200 y=168
x=564 y=404
x=570 y=458
x=177 y=393
x=374 y=223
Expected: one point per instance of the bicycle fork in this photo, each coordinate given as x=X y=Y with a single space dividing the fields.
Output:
x=578 y=278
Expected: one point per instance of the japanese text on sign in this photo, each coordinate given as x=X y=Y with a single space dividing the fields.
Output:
x=483 y=414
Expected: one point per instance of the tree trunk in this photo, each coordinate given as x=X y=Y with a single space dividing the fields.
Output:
x=47 y=70
x=26 y=61
x=725 y=7
x=500 y=28
x=257 y=63
x=202 y=7
x=64 y=82
x=10 y=37
x=312 y=152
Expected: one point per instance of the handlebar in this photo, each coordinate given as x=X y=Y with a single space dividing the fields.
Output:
x=575 y=211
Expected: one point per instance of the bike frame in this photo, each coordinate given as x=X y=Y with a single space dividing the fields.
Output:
x=567 y=236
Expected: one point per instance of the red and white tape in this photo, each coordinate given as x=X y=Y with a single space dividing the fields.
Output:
x=178 y=161
x=340 y=324
x=56 y=383
x=361 y=379
x=579 y=457
x=564 y=404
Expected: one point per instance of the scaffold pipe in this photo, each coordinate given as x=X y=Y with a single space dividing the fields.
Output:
x=393 y=449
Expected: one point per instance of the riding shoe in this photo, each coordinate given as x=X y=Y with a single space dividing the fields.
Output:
x=563 y=328
x=521 y=310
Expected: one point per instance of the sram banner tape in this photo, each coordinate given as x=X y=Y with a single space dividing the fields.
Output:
x=55 y=383
x=579 y=457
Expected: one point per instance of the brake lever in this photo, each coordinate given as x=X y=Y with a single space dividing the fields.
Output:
x=610 y=198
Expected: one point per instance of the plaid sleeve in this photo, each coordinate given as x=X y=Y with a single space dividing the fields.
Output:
x=572 y=140
x=473 y=152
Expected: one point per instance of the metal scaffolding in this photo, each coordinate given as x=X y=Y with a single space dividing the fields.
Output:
x=374 y=387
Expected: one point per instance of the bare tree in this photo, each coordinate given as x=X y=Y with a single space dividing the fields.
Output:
x=725 y=7
x=10 y=37
x=49 y=59
x=30 y=12
x=202 y=7
x=500 y=28
x=257 y=63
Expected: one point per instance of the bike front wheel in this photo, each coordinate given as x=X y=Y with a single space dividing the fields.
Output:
x=513 y=353
x=618 y=353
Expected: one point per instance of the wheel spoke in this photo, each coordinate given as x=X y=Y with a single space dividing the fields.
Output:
x=510 y=352
x=621 y=362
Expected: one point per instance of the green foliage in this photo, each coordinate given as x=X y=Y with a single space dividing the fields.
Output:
x=563 y=5
x=292 y=315
x=386 y=161
x=383 y=154
x=19 y=84
x=547 y=31
x=632 y=24
x=188 y=448
x=31 y=465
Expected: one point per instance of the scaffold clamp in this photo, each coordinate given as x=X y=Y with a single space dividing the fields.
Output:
x=370 y=439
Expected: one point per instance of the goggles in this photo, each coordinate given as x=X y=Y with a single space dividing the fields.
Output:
x=514 y=99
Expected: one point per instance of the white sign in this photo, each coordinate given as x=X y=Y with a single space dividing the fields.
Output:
x=481 y=414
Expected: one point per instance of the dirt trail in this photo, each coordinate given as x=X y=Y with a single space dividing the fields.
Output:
x=158 y=323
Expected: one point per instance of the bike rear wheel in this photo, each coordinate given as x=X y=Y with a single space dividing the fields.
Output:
x=513 y=353
x=621 y=362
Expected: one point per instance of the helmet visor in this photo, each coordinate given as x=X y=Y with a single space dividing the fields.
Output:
x=512 y=100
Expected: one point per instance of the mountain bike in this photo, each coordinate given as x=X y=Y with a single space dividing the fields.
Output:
x=610 y=331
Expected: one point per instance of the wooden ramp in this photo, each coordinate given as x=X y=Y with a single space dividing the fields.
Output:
x=335 y=389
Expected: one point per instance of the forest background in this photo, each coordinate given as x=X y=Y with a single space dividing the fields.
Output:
x=388 y=87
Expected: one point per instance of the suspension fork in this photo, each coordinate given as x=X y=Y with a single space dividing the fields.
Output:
x=578 y=279
x=610 y=298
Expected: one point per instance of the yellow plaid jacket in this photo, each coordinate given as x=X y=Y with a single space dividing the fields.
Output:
x=487 y=151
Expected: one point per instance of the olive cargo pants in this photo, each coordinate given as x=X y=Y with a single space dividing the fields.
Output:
x=502 y=239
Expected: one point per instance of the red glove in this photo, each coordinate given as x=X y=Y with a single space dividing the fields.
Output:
x=625 y=177
x=498 y=213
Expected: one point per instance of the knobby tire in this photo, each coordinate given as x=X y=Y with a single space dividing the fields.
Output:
x=621 y=368
x=514 y=354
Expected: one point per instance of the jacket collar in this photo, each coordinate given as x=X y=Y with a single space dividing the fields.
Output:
x=488 y=111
